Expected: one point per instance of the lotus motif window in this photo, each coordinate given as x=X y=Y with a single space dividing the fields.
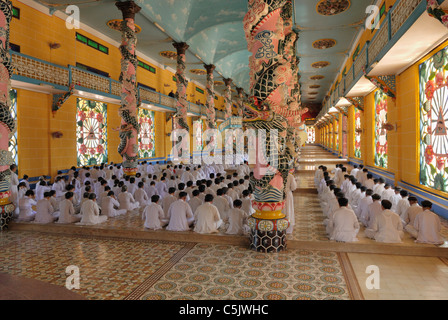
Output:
x=146 y=136
x=358 y=131
x=311 y=131
x=381 y=157
x=434 y=122
x=91 y=132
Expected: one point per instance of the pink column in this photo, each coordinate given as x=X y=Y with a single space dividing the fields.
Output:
x=228 y=98
x=129 y=129
x=7 y=125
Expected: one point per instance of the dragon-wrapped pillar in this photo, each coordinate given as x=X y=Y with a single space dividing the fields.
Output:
x=180 y=118
x=210 y=103
x=270 y=78
x=228 y=98
x=128 y=111
x=7 y=126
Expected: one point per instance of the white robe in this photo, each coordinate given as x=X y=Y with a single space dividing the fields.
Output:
x=166 y=203
x=428 y=226
x=402 y=206
x=180 y=215
x=223 y=207
x=373 y=210
x=109 y=205
x=362 y=212
x=44 y=212
x=247 y=206
x=91 y=214
x=345 y=226
x=288 y=210
x=67 y=212
x=127 y=201
x=162 y=189
x=141 y=197
x=26 y=213
x=207 y=219
x=237 y=222
x=153 y=216
x=386 y=227
x=194 y=203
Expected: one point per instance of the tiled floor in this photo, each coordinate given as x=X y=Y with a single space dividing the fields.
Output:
x=113 y=268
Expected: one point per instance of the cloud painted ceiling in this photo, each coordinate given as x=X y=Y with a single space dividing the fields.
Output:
x=214 y=31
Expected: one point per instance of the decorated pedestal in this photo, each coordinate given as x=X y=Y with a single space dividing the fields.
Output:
x=268 y=227
x=6 y=210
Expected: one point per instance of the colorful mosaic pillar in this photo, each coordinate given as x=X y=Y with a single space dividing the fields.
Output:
x=180 y=117
x=228 y=98
x=240 y=101
x=7 y=126
x=270 y=78
x=129 y=128
x=210 y=103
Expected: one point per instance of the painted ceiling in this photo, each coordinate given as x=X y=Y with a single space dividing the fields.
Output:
x=214 y=31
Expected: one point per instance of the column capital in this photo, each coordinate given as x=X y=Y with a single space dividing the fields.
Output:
x=210 y=68
x=128 y=9
x=181 y=47
x=227 y=81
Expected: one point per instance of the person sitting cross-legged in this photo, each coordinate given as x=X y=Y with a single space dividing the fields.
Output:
x=344 y=225
x=386 y=226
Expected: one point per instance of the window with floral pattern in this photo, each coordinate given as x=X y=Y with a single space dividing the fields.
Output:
x=331 y=136
x=381 y=158
x=146 y=136
x=91 y=132
x=358 y=132
x=197 y=132
x=434 y=121
x=12 y=146
x=336 y=133
x=311 y=131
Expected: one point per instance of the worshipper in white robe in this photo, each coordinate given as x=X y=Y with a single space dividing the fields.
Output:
x=67 y=211
x=226 y=196
x=231 y=192
x=126 y=200
x=195 y=201
x=44 y=210
x=355 y=171
x=396 y=198
x=403 y=204
x=388 y=193
x=346 y=183
x=140 y=195
x=206 y=217
x=333 y=206
x=162 y=189
x=427 y=226
x=14 y=183
x=369 y=183
x=26 y=212
x=355 y=196
x=344 y=226
x=151 y=189
x=362 y=176
x=339 y=176
x=55 y=201
x=411 y=213
x=187 y=176
x=153 y=215
x=237 y=220
x=180 y=215
x=288 y=210
x=364 y=205
x=90 y=212
x=318 y=175
x=110 y=206
x=372 y=211
x=132 y=186
x=386 y=226
x=247 y=203
x=222 y=204
x=26 y=181
x=168 y=200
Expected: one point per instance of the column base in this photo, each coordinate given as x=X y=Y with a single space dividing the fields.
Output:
x=268 y=235
x=6 y=212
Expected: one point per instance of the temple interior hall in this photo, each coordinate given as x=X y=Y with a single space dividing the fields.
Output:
x=224 y=150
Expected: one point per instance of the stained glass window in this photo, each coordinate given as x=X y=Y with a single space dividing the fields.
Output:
x=146 y=136
x=12 y=146
x=336 y=133
x=380 y=133
x=197 y=131
x=91 y=132
x=311 y=131
x=331 y=136
x=358 y=131
x=434 y=122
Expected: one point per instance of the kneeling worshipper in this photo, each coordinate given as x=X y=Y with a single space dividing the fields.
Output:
x=45 y=211
x=387 y=226
x=26 y=212
x=411 y=213
x=237 y=220
x=141 y=196
x=153 y=215
x=222 y=204
x=195 y=201
x=110 y=206
x=91 y=212
x=427 y=226
x=127 y=201
x=373 y=209
x=67 y=210
x=345 y=226
x=207 y=218
x=180 y=215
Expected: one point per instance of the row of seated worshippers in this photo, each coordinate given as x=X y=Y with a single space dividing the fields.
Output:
x=182 y=204
x=385 y=212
